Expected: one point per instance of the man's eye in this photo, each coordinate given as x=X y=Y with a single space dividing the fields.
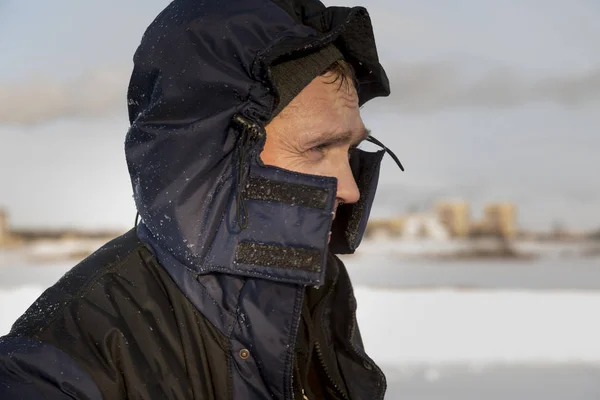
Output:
x=320 y=148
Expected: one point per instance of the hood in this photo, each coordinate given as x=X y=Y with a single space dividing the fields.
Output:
x=199 y=97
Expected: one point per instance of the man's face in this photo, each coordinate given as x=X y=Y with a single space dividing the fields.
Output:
x=315 y=132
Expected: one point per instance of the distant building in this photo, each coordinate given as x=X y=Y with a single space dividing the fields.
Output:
x=424 y=225
x=500 y=219
x=4 y=230
x=384 y=227
x=455 y=217
x=418 y=225
x=451 y=219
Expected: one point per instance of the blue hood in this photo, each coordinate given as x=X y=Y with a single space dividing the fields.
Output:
x=199 y=97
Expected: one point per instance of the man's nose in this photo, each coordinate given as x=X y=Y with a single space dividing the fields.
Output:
x=347 y=190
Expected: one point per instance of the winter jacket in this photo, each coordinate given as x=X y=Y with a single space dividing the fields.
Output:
x=206 y=298
x=118 y=327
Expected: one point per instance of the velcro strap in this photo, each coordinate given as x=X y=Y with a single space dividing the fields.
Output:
x=288 y=193
x=269 y=255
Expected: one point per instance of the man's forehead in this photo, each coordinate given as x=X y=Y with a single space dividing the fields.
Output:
x=325 y=89
x=325 y=110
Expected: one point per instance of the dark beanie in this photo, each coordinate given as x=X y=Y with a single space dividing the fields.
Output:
x=291 y=76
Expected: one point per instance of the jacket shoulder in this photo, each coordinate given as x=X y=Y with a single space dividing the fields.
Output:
x=31 y=366
x=122 y=321
x=79 y=283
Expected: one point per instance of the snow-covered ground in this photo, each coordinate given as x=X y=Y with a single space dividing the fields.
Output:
x=45 y=251
x=14 y=302
x=520 y=330
x=449 y=326
x=479 y=327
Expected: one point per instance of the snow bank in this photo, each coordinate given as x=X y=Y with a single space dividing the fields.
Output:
x=451 y=326
x=15 y=302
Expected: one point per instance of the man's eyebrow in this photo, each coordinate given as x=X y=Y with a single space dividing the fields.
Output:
x=327 y=139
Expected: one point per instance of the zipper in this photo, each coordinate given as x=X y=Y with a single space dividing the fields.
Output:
x=331 y=380
x=294 y=374
x=255 y=130
x=361 y=356
x=320 y=307
x=250 y=132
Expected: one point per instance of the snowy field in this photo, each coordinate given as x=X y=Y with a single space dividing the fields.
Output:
x=444 y=341
x=479 y=327
x=451 y=327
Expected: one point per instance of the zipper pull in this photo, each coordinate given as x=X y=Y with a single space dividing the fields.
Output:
x=253 y=130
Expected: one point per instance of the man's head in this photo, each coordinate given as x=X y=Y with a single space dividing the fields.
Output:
x=196 y=149
x=316 y=132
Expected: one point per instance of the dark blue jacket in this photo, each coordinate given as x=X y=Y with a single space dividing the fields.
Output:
x=226 y=243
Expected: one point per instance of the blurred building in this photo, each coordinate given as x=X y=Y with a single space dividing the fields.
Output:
x=449 y=220
x=455 y=217
x=425 y=225
x=500 y=219
x=417 y=225
x=385 y=227
x=4 y=232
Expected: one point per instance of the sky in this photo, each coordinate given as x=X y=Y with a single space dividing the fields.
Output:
x=491 y=101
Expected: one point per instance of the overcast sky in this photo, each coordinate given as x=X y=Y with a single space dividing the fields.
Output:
x=492 y=100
